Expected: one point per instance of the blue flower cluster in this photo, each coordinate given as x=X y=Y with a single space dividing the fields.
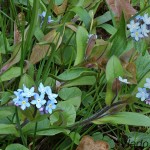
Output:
x=42 y=16
x=44 y=100
x=144 y=93
x=139 y=27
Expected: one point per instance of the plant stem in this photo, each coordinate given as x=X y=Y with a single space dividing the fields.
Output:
x=19 y=127
x=34 y=135
x=97 y=115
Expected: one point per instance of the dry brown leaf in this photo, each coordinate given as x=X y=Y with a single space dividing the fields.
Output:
x=119 y=6
x=90 y=45
x=131 y=68
x=17 y=35
x=87 y=143
x=40 y=51
x=60 y=9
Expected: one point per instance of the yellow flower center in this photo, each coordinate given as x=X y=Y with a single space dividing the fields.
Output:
x=23 y=102
x=38 y=100
x=137 y=33
x=50 y=105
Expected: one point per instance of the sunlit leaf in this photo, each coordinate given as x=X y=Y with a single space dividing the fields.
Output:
x=126 y=118
x=16 y=147
x=81 y=40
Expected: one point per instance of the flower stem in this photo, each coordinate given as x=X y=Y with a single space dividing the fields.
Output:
x=19 y=128
x=34 y=135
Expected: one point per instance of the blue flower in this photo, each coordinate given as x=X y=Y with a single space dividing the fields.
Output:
x=28 y=92
x=38 y=101
x=43 y=14
x=147 y=101
x=49 y=19
x=142 y=94
x=147 y=84
x=133 y=26
x=146 y=19
x=18 y=95
x=139 y=17
x=41 y=88
x=144 y=30
x=50 y=106
x=23 y=103
x=51 y=95
x=137 y=34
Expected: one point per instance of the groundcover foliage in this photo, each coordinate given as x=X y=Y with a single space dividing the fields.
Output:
x=70 y=68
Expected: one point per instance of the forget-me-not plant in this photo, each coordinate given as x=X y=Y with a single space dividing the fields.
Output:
x=50 y=106
x=139 y=27
x=39 y=100
x=144 y=93
x=42 y=16
x=24 y=103
x=147 y=84
x=43 y=99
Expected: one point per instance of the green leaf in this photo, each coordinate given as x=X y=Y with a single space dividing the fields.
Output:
x=2 y=44
x=38 y=33
x=30 y=127
x=86 y=80
x=75 y=73
x=10 y=74
x=84 y=16
x=141 y=83
x=16 y=147
x=97 y=136
x=114 y=69
x=103 y=19
x=75 y=137
x=27 y=81
x=23 y=2
x=5 y=97
x=138 y=138
x=58 y=2
x=109 y=94
x=68 y=113
x=142 y=65
x=53 y=131
x=109 y=28
x=15 y=58
x=71 y=95
x=5 y=113
x=141 y=46
x=119 y=42
x=81 y=40
x=126 y=118
x=8 y=129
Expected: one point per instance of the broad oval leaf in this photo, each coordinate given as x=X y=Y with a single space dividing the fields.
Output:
x=68 y=114
x=81 y=40
x=8 y=129
x=26 y=80
x=71 y=95
x=53 y=131
x=126 y=118
x=16 y=146
x=10 y=74
x=83 y=14
x=114 y=69
x=75 y=73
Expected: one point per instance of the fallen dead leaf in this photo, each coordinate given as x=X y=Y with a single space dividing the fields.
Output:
x=119 y=6
x=60 y=9
x=87 y=143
